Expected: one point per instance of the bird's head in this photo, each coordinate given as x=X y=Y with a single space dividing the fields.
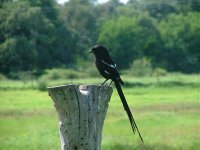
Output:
x=99 y=51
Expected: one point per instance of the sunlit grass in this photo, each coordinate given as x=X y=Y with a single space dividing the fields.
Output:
x=168 y=80
x=168 y=117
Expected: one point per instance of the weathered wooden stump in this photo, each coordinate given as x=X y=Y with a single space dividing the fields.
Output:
x=81 y=112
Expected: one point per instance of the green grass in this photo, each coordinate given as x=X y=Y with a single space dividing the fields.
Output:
x=167 y=114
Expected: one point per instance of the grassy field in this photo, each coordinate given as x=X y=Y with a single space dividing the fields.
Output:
x=167 y=112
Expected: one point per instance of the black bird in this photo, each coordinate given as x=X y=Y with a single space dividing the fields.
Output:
x=107 y=68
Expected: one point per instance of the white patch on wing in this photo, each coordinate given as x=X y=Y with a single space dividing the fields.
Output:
x=106 y=71
x=110 y=65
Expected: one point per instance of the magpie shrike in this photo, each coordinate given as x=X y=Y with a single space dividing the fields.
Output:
x=107 y=68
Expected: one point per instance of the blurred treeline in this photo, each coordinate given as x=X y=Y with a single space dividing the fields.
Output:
x=40 y=34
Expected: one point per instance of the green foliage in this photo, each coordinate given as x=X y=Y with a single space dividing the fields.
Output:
x=159 y=9
x=159 y=72
x=121 y=34
x=55 y=74
x=91 y=71
x=140 y=67
x=30 y=39
x=42 y=85
x=18 y=49
x=2 y=77
x=80 y=17
x=181 y=36
x=41 y=34
x=16 y=54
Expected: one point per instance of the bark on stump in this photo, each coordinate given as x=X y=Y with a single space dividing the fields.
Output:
x=81 y=112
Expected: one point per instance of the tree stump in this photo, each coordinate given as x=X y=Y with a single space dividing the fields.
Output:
x=81 y=112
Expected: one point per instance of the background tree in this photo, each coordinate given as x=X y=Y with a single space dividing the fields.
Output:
x=81 y=18
x=30 y=40
x=19 y=28
x=181 y=36
x=122 y=35
x=42 y=34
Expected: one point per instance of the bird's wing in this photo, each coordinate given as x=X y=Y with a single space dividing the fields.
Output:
x=109 y=67
x=107 y=61
x=112 y=65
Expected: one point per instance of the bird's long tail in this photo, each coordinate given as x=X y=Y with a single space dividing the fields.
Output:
x=126 y=107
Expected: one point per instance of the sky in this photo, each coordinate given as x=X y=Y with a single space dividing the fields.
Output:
x=100 y=1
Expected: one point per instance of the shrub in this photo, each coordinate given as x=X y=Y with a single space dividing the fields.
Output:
x=59 y=73
x=92 y=71
x=159 y=72
x=42 y=85
x=2 y=77
x=140 y=67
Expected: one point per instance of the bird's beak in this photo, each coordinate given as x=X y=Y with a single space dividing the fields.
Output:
x=90 y=51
